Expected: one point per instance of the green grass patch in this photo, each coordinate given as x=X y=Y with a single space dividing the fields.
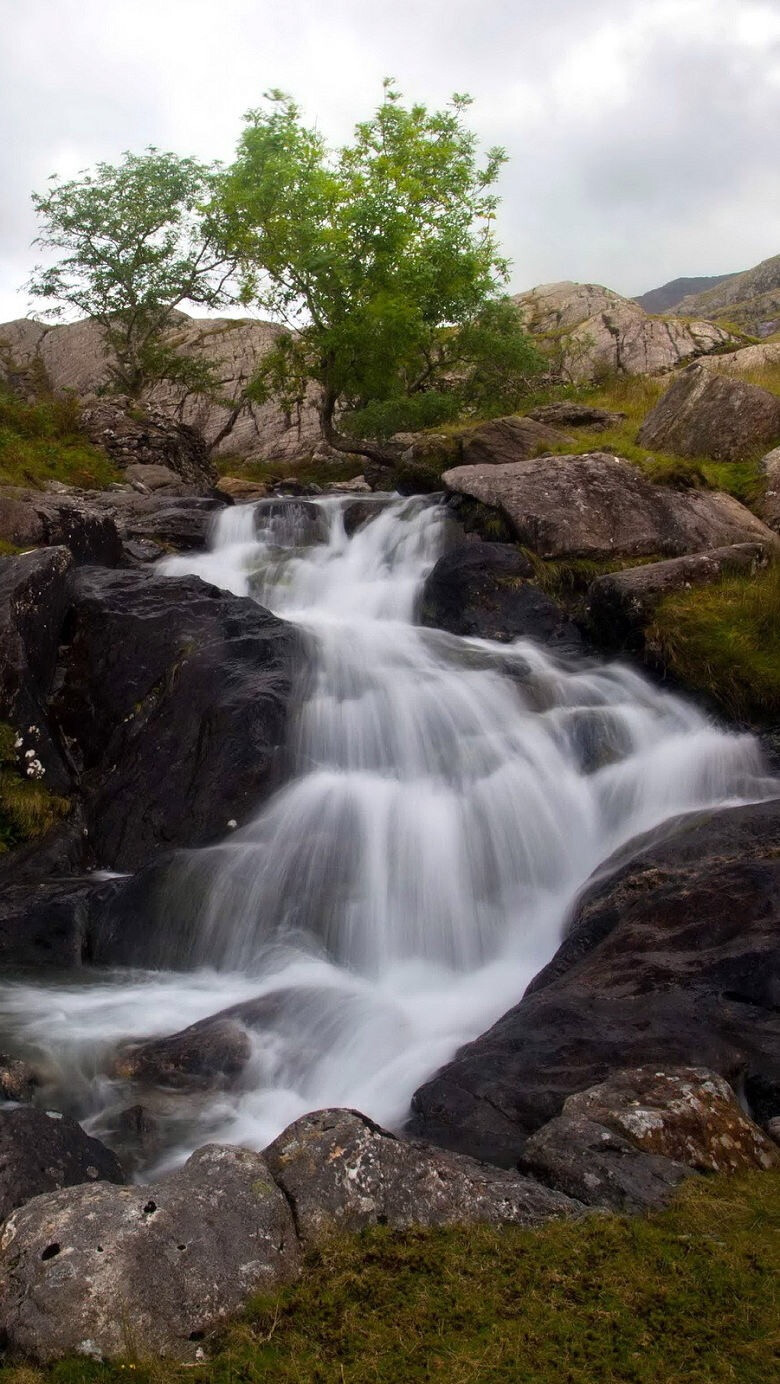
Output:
x=689 y=1295
x=309 y=472
x=27 y=808
x=724 y=641
x=42 y=441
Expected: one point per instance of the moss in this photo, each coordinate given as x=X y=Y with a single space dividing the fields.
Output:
x=42 y=441
x=9 y=549
x=723 y=641
x=686 y=1295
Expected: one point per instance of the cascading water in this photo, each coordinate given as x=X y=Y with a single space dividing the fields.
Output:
x=447 y=800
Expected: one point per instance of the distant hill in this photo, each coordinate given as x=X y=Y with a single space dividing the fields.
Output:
x=750 y=300
x=669 y=295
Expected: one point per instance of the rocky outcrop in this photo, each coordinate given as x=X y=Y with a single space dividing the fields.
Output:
x=621 y=604
x=172 y=698
x=34 y=518
x=41 y=1153
x=751 y=300
x=589 y=331
x=486 y=590
x=341 y=1172
x=102 y=1271
x=134 y=438
x=568 y=414
x=704 y=414
x=599 y=506
x=770 y=500
x=672 y=960
x=760 y=356
x=507 y=439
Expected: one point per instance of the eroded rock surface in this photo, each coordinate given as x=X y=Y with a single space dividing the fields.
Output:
x=599 y=1166
x=705 y=414
x=104 y=1271
x=598 y=505
x=41 y=1153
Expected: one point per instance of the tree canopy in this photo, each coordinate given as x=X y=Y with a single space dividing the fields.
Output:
x=140 y=238
x=381 y=259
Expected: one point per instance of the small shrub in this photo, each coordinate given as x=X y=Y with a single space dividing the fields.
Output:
x=42 y=441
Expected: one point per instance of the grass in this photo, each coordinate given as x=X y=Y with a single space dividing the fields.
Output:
x=42 y=441
x=724 y=641
x=688 y=1295
x=27 y=809
x=308 y=472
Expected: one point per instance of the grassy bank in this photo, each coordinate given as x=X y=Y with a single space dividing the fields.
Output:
x=724 y=641
x=27 y=809
x=42 y=441
x=689 y=1295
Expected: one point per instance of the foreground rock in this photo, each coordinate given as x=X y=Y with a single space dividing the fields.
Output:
x=770 y=501
x=34 y=518
x=621 y=604
x=486 y=590
x=673 y=960
x=342 y=1172
x=589 y=331
x=704 y=414
x=597 y=506
x=41 y=1153
x=104 y=1271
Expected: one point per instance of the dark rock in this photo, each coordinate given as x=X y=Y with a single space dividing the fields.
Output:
x=211 y=1053
x=173 y=698
x=147 y=438
x=18 y=1079
x=485 y=590
x=599 y=1167
x=39 y=1153
x=706 y=414
x=359 y=513
x=673 y=960
x=50 y=922
x=572 y=415
x=172 y=523
x=621 y=604
x=598 y=506
x=341 y=1172
x=145 y=1271
x=291 y=522
x=35 y=518
x=505 y=440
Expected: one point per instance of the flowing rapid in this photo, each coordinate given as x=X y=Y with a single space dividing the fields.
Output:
x=446 y=800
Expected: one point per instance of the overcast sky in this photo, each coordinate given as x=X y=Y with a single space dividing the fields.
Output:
x=643 y=134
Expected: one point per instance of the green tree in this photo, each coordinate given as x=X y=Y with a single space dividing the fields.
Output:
x=140 y=238
x=381 y=259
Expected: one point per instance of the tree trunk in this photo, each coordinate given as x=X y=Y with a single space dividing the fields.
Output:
x=385 y=455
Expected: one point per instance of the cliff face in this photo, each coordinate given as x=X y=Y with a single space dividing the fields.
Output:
x=71 y=357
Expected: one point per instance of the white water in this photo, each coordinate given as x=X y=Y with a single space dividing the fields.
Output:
x=448 y=800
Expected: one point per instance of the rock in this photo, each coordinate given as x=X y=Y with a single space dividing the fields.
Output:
x=486 y=591
x=18 y=1079
x=340 y=1172
x=211 y=1053
x=39 y=1153
x=33 y=517
x=173 y=698
x=621 y=604
x=687 y=1114
x=290 y=522
x=589 y=331
x=706 y=414
x=750 y=299
x=145 y=1271
x=34 y=595
x=357 y=486
x=600 y=1167
x=151 y=439
x=504 y=440
x=672 y=960
x=597 y=506
x=49 y=922
x=770 y=500
x=747 y=359
x=150 y=476
x=237 y=488
x=568 y=414
x=356 y=515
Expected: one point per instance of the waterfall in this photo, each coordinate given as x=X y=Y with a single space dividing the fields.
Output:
x=447 y=800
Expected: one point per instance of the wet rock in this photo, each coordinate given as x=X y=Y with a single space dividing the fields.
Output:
x=39 y=1153
x=171 y=523
x=342 y=1172
x=568 y=414
x=706 y=414
x=600 y=1167
x=18 y=1079
x=356 y=515
x=688 y=1114
x=291 y=522
x=621 y=604
x=105 y=1271
x=173 y=697
x=674 y=960
x=212 y=1053
x=485 y=590
x=597 y=506
x=48 y=922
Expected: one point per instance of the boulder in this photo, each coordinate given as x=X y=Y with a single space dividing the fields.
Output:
x=237 y=488
x=688 y=1114
x=152 y=476
x=672 y=960
x=600 y=1167
x=49 y=921
x=589 y=332
x=173 y=699
x=598 y=506
x=144 y=1271
x=770 y=500
x=504 y=440
x=707 y=414
x=40 y=1153
x=33 y=518
x=341 y=1172
x=211 y=1053
x=568 y=414
x=621 y=604
x=486 y=590
x=18 y=1079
